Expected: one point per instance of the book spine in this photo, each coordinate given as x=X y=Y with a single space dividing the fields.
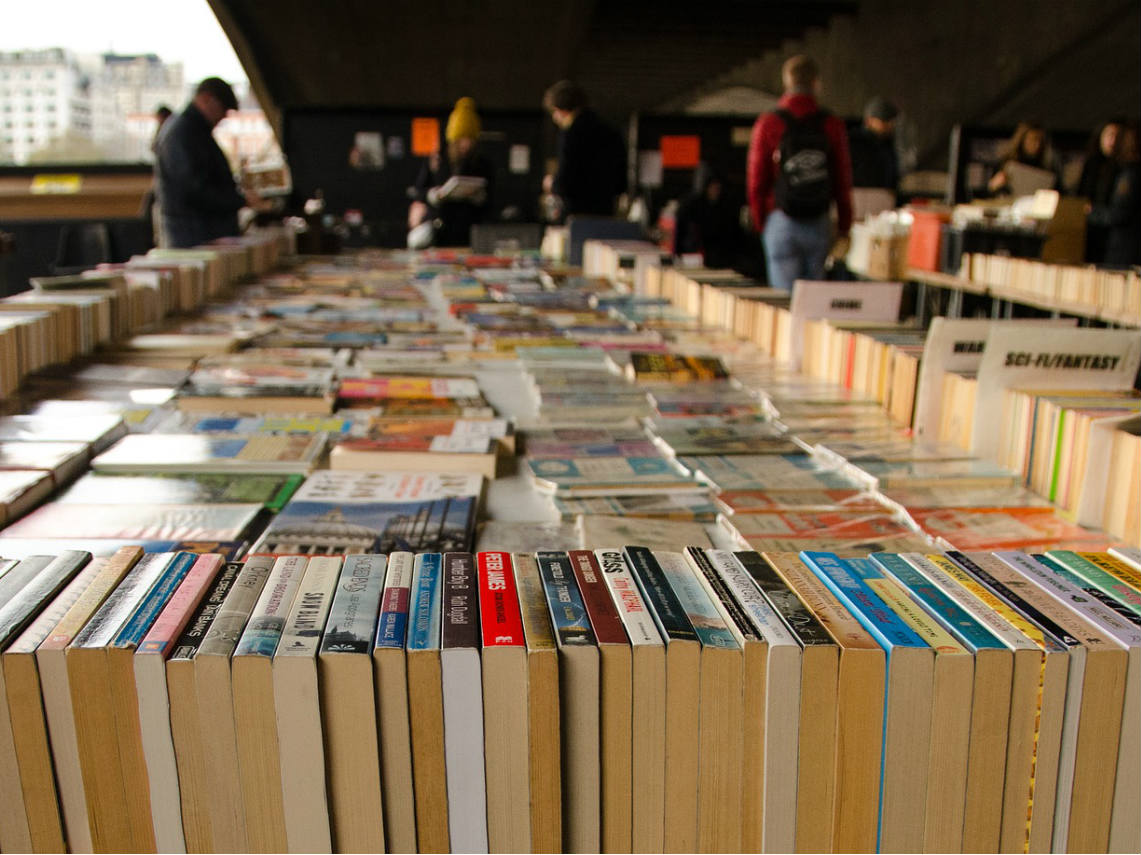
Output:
x=301 y=635
x=155 y=601
x=954 y=619
x=25 y=571
x=632 y=608
x=912 y=613
x=1116 y=566
x=17 y=612
x=667 y=610
x=267 y=620
x=568 y=611
x=393 y=624
x=977 y=570
x=969 y=592
x=719 y=591
x=537 y=627
x=745 y=592
x=699 y=608
x=1087 y=575
x=600 y=608
x=797 y=616
x=175 y=615
x=424 y=608
x=501 y=621
x=187 y=644
x=1118 y=624
x=460 y=627
x=351 y=626
x=121 y=603
x=110 y=575
x=873 y=613
x=221 y=637
x=48 y=619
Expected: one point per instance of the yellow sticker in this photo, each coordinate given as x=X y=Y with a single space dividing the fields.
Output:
x=56 y=184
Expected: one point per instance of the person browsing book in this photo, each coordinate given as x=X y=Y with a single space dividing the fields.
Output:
x=798 y=167
x=591 y=172
x=194 y=184
x=453 y=192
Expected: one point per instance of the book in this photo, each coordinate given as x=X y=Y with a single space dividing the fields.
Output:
x=258 y=389
x=101 y=681
x=770 y=501
x=907 y=706
x=63 y=461
x=15 y=615
x=810 y=806
x=599 y=476
x=57 y=699
x=579 y=704
x=220 y=453
x=989 y=712
x=418 y=453
x=141 y=520
x=185 y=722
x=226 y=422
x=767 y=472
x=153 y=700
x=461 y=675
x=724 y=636
x=98 y=431
x=616 y=699
x=648 y=703
x=859 y=707
x=370 y=391
x=254 y=704
x=375 y=512
x=348 y=707
x=951 y=708
x=39 y=826
x=296 y=699
x=1101 y=724
x=1041 y=754
x=543 y=709
x=526 y=536
x=691 y=507
x=599 y=531
x=426 y=704
x=22 y=490
x=391 y=679
x=683 y=662
x=505 y=712
x=270 y=491
x=650 y=367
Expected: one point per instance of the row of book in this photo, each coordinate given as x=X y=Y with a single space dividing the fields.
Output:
x=1112 y=295
x=622 y=699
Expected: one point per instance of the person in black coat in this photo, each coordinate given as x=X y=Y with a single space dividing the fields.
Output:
x=591 y=171
x=452 y=214
x=706 y=221
x=875 y=162
x=1099 y=171
x=1121 y=215
x=193 y=181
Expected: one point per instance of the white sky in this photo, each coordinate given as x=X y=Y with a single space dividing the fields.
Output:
x=183 y=31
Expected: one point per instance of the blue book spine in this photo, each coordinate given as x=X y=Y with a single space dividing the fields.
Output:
x=146 y=612
x=945 y=610
x=424 y=630
x=844 y=579
x=564 y=599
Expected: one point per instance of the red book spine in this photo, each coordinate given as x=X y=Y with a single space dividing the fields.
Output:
x=600 y=607
x=500 y=619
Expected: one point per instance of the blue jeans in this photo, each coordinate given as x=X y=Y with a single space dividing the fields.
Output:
x=795 y=249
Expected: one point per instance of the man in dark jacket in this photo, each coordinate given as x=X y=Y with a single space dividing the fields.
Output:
x=592 y=156
x=195 y=187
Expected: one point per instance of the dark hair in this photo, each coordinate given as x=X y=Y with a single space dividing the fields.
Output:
x=1014 y=149
x=162 y=112
x=218 y=88
x=799 y=72
x=564 y=95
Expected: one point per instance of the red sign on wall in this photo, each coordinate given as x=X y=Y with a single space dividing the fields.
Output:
x=680 y=152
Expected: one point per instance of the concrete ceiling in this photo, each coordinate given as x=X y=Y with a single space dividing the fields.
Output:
x=632 y=55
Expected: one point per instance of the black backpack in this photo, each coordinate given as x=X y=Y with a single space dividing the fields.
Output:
x=803 y=187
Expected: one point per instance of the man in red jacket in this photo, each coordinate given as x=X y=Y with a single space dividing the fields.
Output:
x=798 y=167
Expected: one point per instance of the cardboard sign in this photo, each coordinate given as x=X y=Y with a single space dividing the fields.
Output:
x=1026 y=358
x=955 y=345
x=847 y=301
x=425 y=136
x=680 y=152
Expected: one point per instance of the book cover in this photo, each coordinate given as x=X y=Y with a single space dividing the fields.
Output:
x=140 y=520
x=683 y=506
x=271 y=491
x=414 y=387
x=598 y=532
x=221 y=453
x=342 y=512
x=584 y=476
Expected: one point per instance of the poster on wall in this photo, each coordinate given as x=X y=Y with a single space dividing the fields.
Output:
x=425 y=136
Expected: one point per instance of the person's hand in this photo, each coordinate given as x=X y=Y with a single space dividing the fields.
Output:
x=840 y=247
x=417 y=213
x=548 y=182
x=997 y=181
x=433 y=195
